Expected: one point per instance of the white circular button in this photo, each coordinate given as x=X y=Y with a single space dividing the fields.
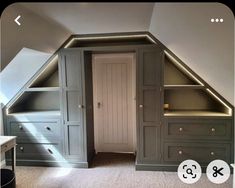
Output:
x=189 y=171
x=218 y=171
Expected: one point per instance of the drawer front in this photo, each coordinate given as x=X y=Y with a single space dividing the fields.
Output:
x=35 y=131
x=203 y=153
x=39 y=151
x=7 y=146
x=198 y=129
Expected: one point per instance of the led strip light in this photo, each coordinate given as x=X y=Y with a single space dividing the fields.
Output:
x=182 y=67
x=108 y=37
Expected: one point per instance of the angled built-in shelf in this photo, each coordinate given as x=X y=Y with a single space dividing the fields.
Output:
x=37 y=89
x=184 y=87
x=42 y=94
x=185 y=95
x=38 y=113
x=194 y=113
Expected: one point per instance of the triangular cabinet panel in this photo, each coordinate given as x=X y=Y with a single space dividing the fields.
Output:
x=48 y=78
x=174 y=76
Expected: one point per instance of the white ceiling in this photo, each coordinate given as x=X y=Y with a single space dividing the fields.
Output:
x=96 y=17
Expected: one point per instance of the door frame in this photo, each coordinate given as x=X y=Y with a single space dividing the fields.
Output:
x=132 y=121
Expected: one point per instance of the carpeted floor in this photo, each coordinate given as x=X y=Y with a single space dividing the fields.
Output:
x=107 y=171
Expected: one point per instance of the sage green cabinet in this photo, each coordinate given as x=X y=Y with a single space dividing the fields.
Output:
x=76 y=110
x=149 y=104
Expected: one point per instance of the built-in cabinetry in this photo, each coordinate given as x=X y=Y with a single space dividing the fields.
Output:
x=34 y=117
x=179 y=116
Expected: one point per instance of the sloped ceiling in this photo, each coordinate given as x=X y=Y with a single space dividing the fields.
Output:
x=83 y=18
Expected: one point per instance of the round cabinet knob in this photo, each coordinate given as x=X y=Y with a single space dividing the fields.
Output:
x=180 y=152
x=20 y=127
x=48 y=128
x=180 y=129
x=141 y=105
x=80 y=106
x=213 y=129
x=212 y=153
x=21 y=148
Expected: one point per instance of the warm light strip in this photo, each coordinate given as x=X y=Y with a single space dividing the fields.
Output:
x=107 y=37
x=229 y=109
x=182 y=67
x=53 y=60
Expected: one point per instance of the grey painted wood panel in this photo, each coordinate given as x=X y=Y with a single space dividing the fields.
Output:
x=75 y=140
x=72 y=72
x=73 y=100
x=30 y=151
x=201 y=152
x=149 y=113
x=198 y=129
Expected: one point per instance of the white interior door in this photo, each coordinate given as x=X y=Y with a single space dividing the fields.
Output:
x=114 y=102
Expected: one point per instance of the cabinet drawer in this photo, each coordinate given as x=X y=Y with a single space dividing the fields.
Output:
x=198 y=129
x=38 y=151
x=7 y=146
x=35 y=131
x=204 y=153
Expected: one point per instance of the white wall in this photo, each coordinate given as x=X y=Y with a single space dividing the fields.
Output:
x=35 y=32
x=207 y=48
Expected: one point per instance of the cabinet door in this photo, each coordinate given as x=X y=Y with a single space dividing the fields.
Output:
x=71 y=65
x=149 y=103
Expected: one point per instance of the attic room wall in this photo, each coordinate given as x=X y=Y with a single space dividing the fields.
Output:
x=207 y=48
x=35 y=32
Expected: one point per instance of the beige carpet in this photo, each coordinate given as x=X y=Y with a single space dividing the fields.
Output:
x=107 y=171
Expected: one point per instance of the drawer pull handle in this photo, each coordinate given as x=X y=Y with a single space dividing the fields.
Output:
x=20 y=127
x=213 y=129
x=180 y=152
x=21 y=148
x=180 y=129
x=141 y=105
x=212 y=153
x=48 y=128
x=50 y=151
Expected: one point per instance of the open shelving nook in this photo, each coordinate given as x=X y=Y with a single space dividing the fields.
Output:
x=41 y=96
x=186 y=95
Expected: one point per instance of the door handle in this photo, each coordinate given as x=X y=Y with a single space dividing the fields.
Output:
x=98 y=104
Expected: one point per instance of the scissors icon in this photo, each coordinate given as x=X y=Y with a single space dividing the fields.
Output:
x=217 y=171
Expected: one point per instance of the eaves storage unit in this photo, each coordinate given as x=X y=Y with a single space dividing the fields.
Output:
x=179 y=116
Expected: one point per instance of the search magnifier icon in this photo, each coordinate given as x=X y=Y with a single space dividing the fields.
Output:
x=189 y=171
